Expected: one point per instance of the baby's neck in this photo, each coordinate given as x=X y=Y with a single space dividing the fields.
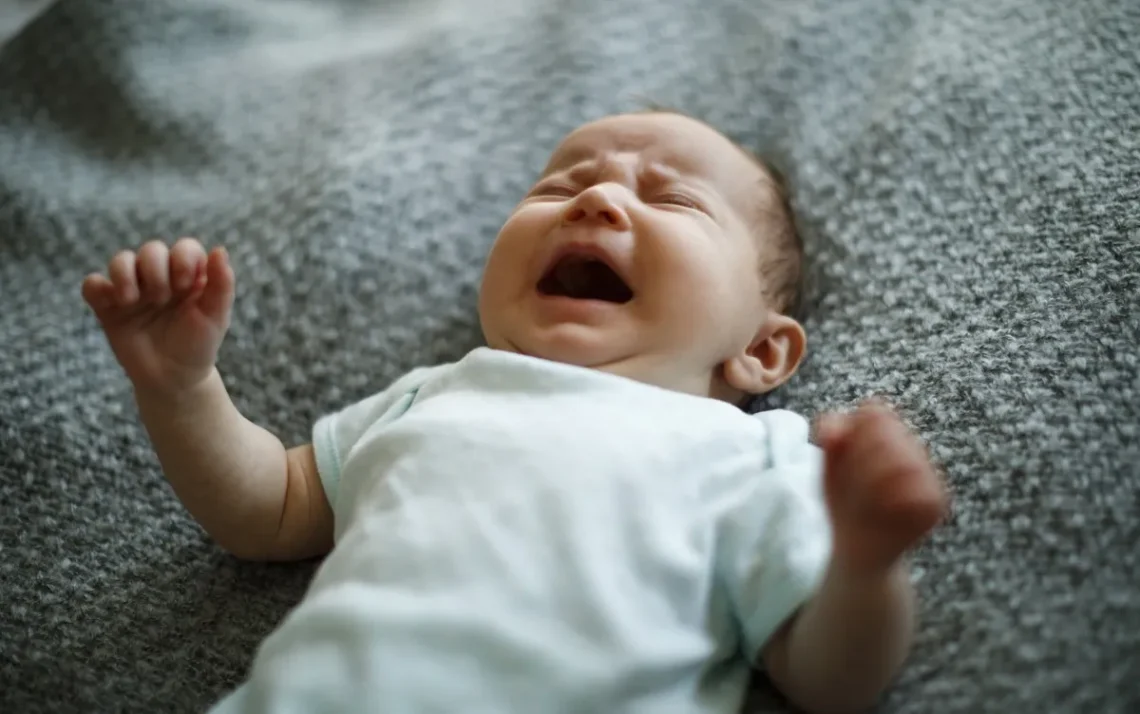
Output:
x=661 y=372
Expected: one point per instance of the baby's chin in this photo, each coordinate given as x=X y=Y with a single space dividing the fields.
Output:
x=577 y=345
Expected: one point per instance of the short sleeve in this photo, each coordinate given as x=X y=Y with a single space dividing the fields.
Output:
x=334 y=435
x=774 y=534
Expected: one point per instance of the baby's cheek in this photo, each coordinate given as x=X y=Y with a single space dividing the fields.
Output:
x=533 y=221
x=697 y=291
x=713 y=279
x=514 y=243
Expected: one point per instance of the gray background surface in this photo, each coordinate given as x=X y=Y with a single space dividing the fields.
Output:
x=967 y=173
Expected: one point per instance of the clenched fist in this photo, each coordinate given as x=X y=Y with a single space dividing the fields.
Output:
x=165 y=312
x=883 y=494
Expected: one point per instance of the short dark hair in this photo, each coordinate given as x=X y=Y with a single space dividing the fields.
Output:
x=782 y=264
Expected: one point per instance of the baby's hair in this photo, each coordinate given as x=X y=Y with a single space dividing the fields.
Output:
x=783 y=271
x=782 y=263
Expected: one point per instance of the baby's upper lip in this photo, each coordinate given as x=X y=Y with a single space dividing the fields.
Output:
x=595 y=249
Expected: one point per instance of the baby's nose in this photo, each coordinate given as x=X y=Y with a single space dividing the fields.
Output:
x=607 y=215
x=596 y=204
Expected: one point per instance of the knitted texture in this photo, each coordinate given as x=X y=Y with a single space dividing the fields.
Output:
x=966 y=174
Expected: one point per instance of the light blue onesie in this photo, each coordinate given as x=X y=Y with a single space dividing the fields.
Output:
x=517 y=535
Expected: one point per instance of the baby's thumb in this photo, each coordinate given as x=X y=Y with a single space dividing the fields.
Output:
x=98 y=293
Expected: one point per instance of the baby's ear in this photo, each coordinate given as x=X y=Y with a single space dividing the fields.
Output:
x=771 y=359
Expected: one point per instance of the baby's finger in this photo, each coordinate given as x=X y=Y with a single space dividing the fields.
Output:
x=99 y=293
x=874 y=454
x=121 y=270
x=154 y=272
x=913 y=510
x=831 y=430
x=218 y=295
x=885 y=450
x=187 y=264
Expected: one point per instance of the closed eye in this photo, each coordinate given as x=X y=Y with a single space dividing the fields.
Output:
x=556 y=190
x=676 y=199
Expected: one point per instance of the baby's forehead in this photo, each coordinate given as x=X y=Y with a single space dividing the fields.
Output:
x=662 y=142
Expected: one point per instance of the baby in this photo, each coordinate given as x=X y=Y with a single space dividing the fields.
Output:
x=576 y=517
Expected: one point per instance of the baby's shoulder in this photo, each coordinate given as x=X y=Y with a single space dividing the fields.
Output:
x=767 y=447
x=777 y=428
x=783 y=425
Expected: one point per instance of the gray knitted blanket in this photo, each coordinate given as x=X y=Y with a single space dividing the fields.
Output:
x=967 y=174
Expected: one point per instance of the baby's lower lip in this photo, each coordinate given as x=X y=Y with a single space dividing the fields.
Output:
x=571 y=307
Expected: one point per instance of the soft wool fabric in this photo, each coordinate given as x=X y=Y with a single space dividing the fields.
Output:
x=965 y=172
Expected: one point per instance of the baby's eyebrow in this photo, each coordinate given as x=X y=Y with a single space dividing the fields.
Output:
x=581 y=172
x=569 y=157
x=659 y=173
x=573 y=162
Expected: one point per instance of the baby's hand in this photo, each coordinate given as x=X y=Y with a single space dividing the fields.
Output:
x=165 y=312
x=883 y=494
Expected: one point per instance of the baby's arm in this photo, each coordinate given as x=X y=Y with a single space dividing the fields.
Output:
x=256 y=499
x=165 y=313
x=847 y=644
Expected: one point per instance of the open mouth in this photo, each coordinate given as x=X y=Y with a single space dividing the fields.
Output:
x=584 y=277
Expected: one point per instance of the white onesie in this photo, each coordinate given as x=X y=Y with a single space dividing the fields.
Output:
x=518 y=535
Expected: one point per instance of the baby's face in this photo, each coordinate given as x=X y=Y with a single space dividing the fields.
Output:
x=633 y=254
